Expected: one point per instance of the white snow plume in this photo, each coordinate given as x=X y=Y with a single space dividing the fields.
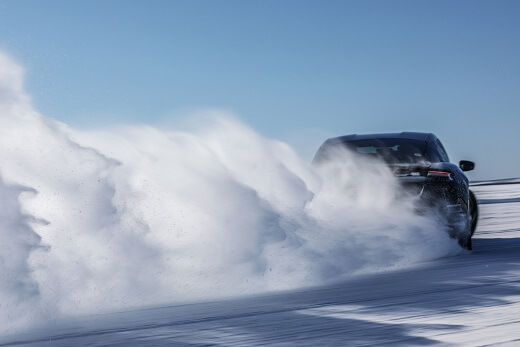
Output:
x=135 y=216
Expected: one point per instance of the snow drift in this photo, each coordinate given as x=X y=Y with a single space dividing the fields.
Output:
x=113 y=219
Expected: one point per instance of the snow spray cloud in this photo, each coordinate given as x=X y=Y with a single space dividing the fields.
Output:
x=135 y=216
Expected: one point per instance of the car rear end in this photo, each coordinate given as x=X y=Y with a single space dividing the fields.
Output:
x=440 y=187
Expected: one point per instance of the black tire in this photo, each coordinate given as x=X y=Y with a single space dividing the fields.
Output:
x=466 y=243
x=473 y=211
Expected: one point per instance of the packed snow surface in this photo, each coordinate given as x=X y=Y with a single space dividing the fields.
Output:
x=471 y=299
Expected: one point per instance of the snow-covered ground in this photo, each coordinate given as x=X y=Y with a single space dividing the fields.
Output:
x=472 y=299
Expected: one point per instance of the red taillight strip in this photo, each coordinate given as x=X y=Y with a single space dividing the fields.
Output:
x=439 y=173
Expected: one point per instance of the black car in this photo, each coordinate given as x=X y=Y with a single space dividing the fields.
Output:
x=422 y=166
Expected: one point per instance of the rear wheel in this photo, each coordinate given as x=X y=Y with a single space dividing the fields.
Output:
x=466 y=243
x=473 y=211
x=469 y=244
x=473 y=218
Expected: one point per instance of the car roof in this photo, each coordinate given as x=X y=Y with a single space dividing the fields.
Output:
x=403 y=135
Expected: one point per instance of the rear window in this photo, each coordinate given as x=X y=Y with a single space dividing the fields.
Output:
x=389 y=150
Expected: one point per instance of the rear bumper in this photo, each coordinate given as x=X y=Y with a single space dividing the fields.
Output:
x=440 y=201
x=454 y=217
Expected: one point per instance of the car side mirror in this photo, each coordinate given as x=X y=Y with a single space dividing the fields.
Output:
x=466 y=165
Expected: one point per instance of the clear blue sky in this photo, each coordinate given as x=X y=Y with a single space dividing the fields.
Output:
x=290 y=69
